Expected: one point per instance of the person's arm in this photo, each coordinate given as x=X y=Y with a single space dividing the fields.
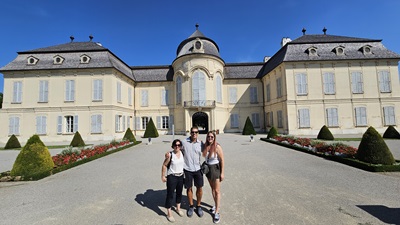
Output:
x=164 y=168
x=221 y=161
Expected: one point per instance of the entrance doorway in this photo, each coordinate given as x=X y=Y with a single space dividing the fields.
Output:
x=200 y=119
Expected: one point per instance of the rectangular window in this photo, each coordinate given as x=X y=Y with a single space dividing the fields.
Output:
x=384 y=81
x=41 y=122
x=268 y=92
x=97 y=90
x=96 y=124
x=17 y=92
x=43 y=91
x=137 y=123
x=389 y=115
x=332 y=117
x=253 y=95
x=71 y=124
x=219 y=89
x=361 y=116
x=162 y=122
x=164 y=97
x=267 y=120
x=255 y=119
x=357 y=85
x=279 y=87
x=280 y=118
x=232 y=95
x=118 y=123
x=234 y=120
x=130 y=96
x=119 y=97
x=329 y=83
x=128 y=122
x=144 y=98
x=304 y=118
x=301 y=84
x=13 y=125
x=70 y=90
x=145 y=120
x=271 y=119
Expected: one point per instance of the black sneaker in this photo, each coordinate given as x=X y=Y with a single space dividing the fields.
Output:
x=189 y=212
x=216 y=218
x=199 y=211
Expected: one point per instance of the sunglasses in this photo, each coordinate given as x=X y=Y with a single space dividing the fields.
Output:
x=210 y=136
x=177 y=145
x=194 y=132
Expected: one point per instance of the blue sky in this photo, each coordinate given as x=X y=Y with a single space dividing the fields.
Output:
x=149 y=32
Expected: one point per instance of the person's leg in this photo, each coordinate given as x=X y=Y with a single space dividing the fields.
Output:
x=179 y=189
x=217 y=194
x=170 y=196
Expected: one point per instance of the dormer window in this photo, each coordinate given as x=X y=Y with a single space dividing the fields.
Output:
x=312 y=51
x=339 y=50
x=58 y=60
x=198 y=45
x=32 y=60
x=85 y=59
x=366 y=50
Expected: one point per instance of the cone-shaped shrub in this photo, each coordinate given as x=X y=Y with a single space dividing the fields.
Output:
x=272 y=132
x=77 y=141
x=34 y=159
x=12 y=143
x=373 y=149
x=325 y=134
x=248 y=128
x=391 y=132
x=129 y=135
x=151 y=130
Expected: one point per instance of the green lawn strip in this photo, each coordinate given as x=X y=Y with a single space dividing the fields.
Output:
x=347 y=161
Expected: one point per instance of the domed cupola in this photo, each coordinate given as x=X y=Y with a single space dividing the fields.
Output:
x=197 y=43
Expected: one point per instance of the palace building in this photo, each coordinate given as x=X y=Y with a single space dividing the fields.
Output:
x=345 y=83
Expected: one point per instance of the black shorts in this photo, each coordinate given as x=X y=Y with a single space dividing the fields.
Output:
x=196 y=176
x=215 y=172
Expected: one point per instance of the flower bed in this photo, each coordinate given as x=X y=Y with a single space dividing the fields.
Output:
x=336 y=151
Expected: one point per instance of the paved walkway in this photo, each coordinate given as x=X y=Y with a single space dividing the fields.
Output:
x=265 y=184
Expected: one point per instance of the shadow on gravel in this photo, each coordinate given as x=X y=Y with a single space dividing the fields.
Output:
x=383 y=213
x=154 y=200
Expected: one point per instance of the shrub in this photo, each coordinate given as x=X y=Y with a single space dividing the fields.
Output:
x=248 y=128
x=129 y=135
x=373 y=149
x=272 y=132
x=33 y=160
x=391 y=132
x=77 y=141
x=151 y=130
x=325 y=134
x=12 y=143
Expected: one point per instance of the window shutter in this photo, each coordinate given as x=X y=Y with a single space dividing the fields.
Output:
x=232 y=95
x=166 y=97
x=144 y=98
x=171 y=121
x=159 y=122
x=93 y=123
x=128 y=122
x=268 y=92
x=202 y=89
x=123 y=123
x=116 y=123
x=137 y=123
x=76 y=123
x=219 y=89
x=11 y=125
x=178 y=90
x=59 y=124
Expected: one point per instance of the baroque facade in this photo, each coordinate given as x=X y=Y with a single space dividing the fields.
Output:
x=345 y=83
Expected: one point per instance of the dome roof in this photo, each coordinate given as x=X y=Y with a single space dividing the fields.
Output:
x=208 y=46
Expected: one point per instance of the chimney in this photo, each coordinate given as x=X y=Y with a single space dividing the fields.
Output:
x=285 y=40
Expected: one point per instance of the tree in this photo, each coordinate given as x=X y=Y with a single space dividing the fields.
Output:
x=325 y=134
x=391 y=132
x=248 y=128
x=272 y=133
x=129 y=135
x=12 y=143
x=151 y=130
x=77 y=141
x=373 y=149
x=33 y=160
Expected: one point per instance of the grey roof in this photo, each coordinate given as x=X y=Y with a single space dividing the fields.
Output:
x=152 y=73
x=242 y=70
x=296 y=50
x=186 y=46
x=71 y=52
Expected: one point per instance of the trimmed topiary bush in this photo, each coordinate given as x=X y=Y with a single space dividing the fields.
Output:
x=373 y=149
x=272 y=132
x=129 y=135
x=33 y=160
x=12 y=143
x=151 y=130
x=77 y=141
x=391 y=132
x=248 y=128
x=325 y=134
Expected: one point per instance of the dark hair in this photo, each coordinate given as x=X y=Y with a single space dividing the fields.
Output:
x=174 y=142
x=194 y=127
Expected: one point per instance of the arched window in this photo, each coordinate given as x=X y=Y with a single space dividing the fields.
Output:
x=178 y=90
x=219 y=88
x=199 y=88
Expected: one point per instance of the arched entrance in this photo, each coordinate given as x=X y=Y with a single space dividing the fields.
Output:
x=200 y=119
